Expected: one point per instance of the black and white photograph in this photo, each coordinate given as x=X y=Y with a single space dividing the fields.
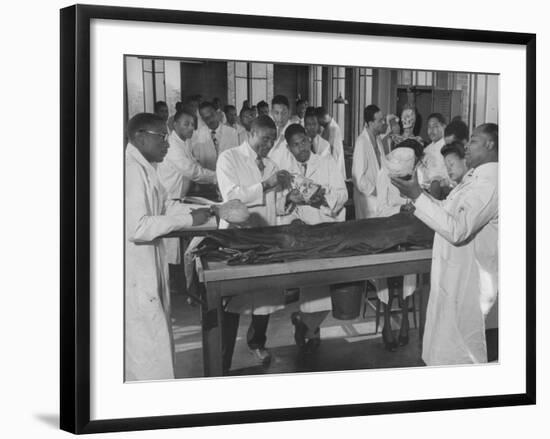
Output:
x=286 y=218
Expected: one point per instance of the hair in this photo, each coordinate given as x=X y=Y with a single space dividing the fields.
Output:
x=228 y=108
x=369 y=112
x=181 y=113
x=206 y=104
x=245 y=110
x=142 y=121
x=262 y=104
x=310 y=111
x=455 y=147
x=159 y=105
x=416 y=146
x=179 y=106
x=262 y=121
x=301 y=101
x=491 y=130
x=321 y=111
x=457 y=128
x=280 y=100
x=295 y=128
x=439 y=117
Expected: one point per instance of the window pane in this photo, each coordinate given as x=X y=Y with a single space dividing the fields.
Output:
x=241 y=69
x=259 y=90
x=241 y=92
x=148 y=65
x=159 y=65
x=134 y=83
x=159 y=85
x=259 y=70
x=148 y=91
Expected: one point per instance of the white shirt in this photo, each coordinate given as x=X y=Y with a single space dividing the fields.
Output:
x=333 y=134
x=279 y=153
x=433 y=166
x=320 y=146
x=364 y=173
x=323 y=171
x=203 y=147
x=179 y=168
x=239 y=178
x=148 y=341
x=464 y=277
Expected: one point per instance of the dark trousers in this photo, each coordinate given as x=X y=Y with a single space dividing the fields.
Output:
x=255 y=336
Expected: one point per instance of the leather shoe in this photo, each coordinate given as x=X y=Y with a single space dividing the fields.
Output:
x=261 y=355
x=300 y=330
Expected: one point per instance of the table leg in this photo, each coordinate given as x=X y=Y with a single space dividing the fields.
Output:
x=212 y=330
x=424 y=296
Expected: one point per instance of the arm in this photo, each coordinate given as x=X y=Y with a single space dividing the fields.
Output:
x=141 y=225
x=363 y=177
x=474 y=211
x=193 y=170
x=231 y=187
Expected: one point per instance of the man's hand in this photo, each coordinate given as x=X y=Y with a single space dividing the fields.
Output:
x=200 y=216
x=408 y=188
x=295 y=197
x=280 y=178
x=318 y=199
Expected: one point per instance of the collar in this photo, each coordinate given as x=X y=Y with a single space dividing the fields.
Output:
x=133 y=152
x=248 y=151
x=488 y=170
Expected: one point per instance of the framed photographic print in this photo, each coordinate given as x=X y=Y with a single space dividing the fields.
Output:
x=277 y=218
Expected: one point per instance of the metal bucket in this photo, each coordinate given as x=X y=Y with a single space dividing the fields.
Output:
x=346 y=300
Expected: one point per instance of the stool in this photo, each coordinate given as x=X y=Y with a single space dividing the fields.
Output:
x=395 y=289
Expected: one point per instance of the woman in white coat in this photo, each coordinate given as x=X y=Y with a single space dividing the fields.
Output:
x=148 y=333
x=464 y=277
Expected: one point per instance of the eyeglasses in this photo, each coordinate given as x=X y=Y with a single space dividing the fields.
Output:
x=163 y=135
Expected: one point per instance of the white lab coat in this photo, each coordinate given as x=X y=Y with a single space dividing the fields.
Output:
x=464 y=277
x=203 y=147
x=323 y=171
x=176 y=172
x=388 y=203
x=364 y=173
x=333 y=135
x=279 y=153
x=148 y=332
x=239 y=178
x=433 y=166
x=320 y=146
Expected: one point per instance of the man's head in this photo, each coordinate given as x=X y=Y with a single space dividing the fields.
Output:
x=247 y=116
x=311 y=124
x=192 y=103
x=209 y=115
x=436 y=126
x=455 y=162
x=280 y=110
x=263 y=108
x=184 y=124
x=414 y=145
x=148 y=133
x=374 y=119
x=483 y=145
x=322 y=116
x=161 y=110
x=301 y=107
x=456 y=131
x=230 y=114
x=298 y=142
x=263 y=134
x=217 y=103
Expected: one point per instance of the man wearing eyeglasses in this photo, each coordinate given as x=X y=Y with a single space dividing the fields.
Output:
x=148 y=340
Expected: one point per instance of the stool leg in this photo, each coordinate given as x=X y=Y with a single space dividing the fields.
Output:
x=378 y=312
x=414 y=309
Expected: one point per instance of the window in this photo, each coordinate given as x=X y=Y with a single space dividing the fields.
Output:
x=153 y=82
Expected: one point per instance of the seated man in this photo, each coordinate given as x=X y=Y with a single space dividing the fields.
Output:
x=455 y=160
x=326 y=205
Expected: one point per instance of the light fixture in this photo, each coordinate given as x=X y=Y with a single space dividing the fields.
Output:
x=340 y=100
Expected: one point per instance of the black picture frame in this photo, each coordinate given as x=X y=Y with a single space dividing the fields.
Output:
x=75 y=217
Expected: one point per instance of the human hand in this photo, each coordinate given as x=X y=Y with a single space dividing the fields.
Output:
x=408 y=188
x=295 y=197
x=318 y=198
x=284 y=178
x=200 y=216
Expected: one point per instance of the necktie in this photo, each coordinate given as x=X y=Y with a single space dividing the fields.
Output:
x=260 y=164
x=215 y=141
x=304 y=169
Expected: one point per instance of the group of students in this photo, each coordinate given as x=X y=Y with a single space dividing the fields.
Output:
x=253 y=159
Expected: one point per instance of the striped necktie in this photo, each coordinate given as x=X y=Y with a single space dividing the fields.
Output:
x=260 y=164
x=215 y=141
